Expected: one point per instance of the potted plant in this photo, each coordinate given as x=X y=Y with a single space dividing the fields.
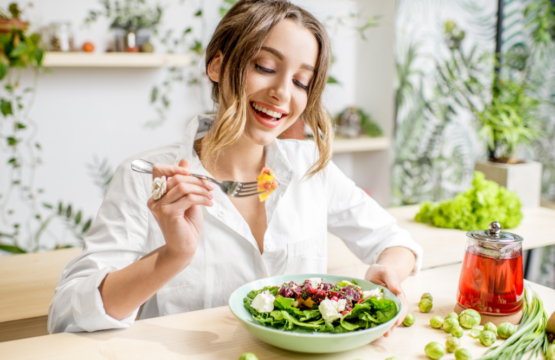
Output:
x=132 y=21
x=509 y=122
x=10 y=20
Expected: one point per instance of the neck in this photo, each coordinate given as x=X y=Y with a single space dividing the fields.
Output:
x=240 y=161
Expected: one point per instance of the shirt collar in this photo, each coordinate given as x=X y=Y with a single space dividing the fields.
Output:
x=223 y=208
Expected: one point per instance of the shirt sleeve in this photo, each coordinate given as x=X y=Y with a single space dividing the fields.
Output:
x=116 y=239
x=364 y=226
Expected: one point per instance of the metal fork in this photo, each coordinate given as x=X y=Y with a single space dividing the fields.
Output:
x=232 y=188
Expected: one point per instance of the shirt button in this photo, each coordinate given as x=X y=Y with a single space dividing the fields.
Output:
x=269 y=246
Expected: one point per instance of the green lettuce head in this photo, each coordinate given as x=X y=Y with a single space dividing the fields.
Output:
x=469 y=318
x=475 y=208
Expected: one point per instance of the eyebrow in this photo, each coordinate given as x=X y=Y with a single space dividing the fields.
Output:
x=280 y=56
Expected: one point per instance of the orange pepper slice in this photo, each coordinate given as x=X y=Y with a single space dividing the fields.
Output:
x=267 y=182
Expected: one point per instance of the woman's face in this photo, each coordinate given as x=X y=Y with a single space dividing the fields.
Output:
x=277 y=81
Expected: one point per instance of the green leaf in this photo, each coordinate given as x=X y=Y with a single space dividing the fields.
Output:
x=198 y=13
x=154 y=94
x=60 y=208
x=12 y=248
x=4 y=68
x=6 y=107
x=11 y=141
x=19 y=50
x=78 y=218
x=69 y=211
x=332 y=80
x=20 y=126
x=48 y=206
x=86 y=226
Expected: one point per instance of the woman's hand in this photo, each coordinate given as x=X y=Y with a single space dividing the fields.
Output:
x=386 y=276
x=178 y=211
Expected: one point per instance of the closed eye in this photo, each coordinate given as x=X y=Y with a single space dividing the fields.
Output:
x=300 y=84
x=263 y=69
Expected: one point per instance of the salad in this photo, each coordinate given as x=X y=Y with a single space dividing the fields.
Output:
x=319 y=306
x=266 y=183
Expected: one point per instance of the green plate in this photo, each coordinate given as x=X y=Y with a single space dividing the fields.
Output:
x=307 y=341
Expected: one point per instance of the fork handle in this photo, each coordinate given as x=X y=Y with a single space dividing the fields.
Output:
x=146 y=167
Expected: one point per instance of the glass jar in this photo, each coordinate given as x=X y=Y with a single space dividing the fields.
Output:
x=492 y=277
x=61 y=37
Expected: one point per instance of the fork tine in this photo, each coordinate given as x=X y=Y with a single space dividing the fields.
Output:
x=242 y=186
x=242 y=194
x=249 y=183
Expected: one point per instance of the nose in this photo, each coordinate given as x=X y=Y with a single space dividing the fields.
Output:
x=280 y=89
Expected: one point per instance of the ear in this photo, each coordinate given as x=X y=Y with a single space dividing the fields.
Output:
x=215 y=66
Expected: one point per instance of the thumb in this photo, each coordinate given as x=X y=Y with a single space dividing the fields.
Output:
x=392 y=282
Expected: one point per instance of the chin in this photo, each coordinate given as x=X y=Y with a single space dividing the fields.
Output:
x=262 y=138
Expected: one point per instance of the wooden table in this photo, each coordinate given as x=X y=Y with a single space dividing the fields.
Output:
x=27 y=281
x=446 y=246
x=27 y=284
x=216 y=334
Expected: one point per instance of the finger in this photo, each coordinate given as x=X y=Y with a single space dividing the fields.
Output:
x=191 y=200
x=392 y=282
x=168 y=170
x=177 y=179
x=183 y=189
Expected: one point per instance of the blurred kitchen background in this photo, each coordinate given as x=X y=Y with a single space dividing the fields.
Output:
x=120 y=77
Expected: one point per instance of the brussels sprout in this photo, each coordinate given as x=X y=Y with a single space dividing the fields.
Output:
x=452 y=344
x=453 y=315
x=436 y=322
x=409 y=320
x=248 y=356
x=469 y=318
x=463 y=354
x=427 y=296
x=449 y=324
x=425 y=305
x=505 y=330
x=434 y=350
x=491 y=327
x=550 y=354
x=457 y=331
x=487 y=338
x=475 y=333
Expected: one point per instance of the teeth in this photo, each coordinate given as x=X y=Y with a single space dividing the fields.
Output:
x=275 y=114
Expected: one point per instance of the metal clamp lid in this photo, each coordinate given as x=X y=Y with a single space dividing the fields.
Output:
x=494 y=234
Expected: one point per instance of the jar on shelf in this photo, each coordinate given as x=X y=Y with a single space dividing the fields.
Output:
x=60 y=37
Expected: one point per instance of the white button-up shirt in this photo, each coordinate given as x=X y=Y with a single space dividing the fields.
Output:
x=299 y=215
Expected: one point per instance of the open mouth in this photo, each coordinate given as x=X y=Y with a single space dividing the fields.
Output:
x=267 y=114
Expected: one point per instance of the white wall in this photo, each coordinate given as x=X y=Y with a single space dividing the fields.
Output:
x=84 y=113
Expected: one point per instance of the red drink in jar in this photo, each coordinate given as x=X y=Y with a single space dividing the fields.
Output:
x=491 y=286
x=491 y=279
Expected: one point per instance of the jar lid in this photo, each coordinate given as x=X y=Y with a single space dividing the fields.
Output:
x=494 y=234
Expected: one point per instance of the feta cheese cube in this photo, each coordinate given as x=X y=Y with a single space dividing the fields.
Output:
x=263 y=302
x=377 y=292
x=315 y=283
x=329 y=310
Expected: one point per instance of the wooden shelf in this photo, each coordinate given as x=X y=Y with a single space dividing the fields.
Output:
x=343 y=145
x=114 y=60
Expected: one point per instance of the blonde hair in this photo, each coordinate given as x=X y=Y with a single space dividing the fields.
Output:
x=239 y=36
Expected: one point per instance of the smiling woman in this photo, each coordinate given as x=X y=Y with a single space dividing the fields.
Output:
x=193 y=246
